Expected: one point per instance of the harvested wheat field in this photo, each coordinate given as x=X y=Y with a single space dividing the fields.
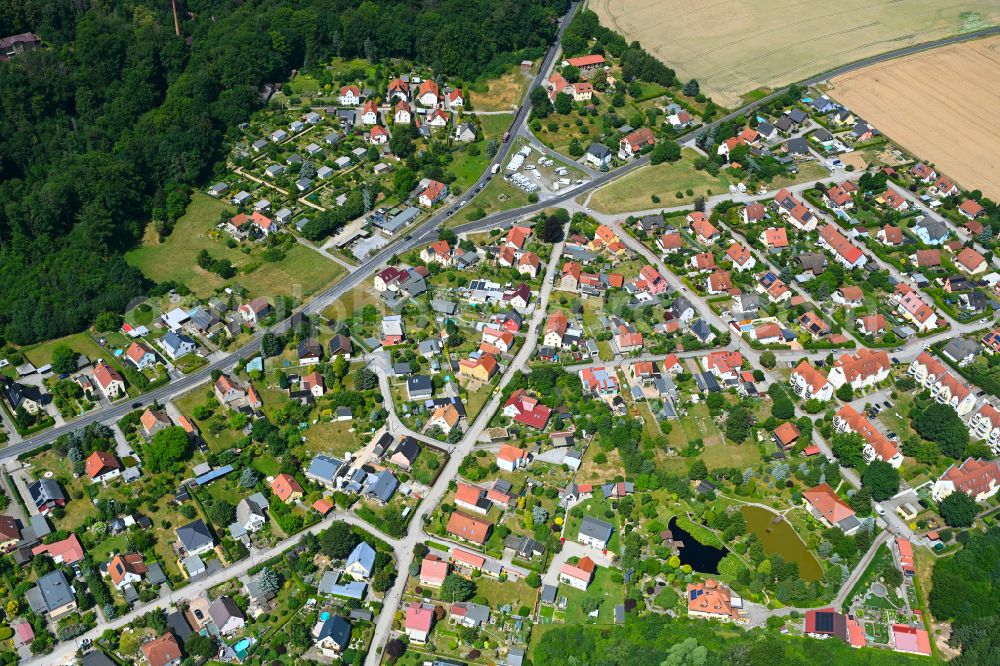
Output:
x=942 y=105
x=736 y=46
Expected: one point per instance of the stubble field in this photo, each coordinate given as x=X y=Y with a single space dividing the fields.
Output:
x=942 y=105
x=733 y=48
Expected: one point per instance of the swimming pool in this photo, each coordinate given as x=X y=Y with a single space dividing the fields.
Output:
x=324 y=616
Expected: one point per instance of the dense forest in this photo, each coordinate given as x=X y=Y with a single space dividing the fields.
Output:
x=113 y=122
x=966 y=592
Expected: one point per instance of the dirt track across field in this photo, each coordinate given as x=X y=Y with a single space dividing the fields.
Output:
x=735 y=46
x=942 y=105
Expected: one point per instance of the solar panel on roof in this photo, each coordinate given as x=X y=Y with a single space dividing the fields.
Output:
x=824 y=622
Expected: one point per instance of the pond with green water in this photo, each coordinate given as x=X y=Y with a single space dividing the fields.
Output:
x=779 y=537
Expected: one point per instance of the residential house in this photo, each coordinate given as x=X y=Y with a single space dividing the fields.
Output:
x=794 y=211
x=843 y=250
x=369 y=114
x=510 y=458
x=392 y=330
x=250 y=513
x=126 y=569
x=255 y=311
x=438 y=252
x=978 y=478
x=433 y=571
x=140 y=355
x=985 y=425
x=873 y=324
x=46 y=495
x=809 y=383
x=360 y=564
x=195 y=538
x=712 y=601
x=848 y=296
x=332 y=636
x=102 y=466
x=66 y=551
x=163 y=651
x=434 y=192
x=786 y=435
x=841 y=196
x=418 y=621
x=595 y=533
x=753 y=213
x=482 y=368
x=829 y=509
x=472 y=498
x=704 y=231
x=631 y=144
x=577 y=575
x=468 y=528
x=971 y=209
x=890 y=235
x=349 y=96
x=742 y=258
x=862 y=370
x=877 y=445
x=109 y=381
x=286 y=488
x=598 y=155
x=600 y=382
x=945 y=388
x=971 y=261
x=526 y=410
x=445 y=417
x=324 y=470
x=931 y=232
x=52 y=595
x=226 y=615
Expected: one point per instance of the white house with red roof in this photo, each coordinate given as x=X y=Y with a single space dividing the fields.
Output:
x=579 y=575
x=945 y=388
x=140 y=355
x=349 y=96
x=108 y=380
x=724 y=364
x=910 y=305
x=438 y=252
x=510 y=458
x=455 y=98
x=585 y=62
x=863 y=369
x=971 y=209
x=978 y=478
x=599 y=382
x=650 y=281
x=369 y=114
x=822 y=502
x=378 y=135
x=794 y=211
x=398 y=90
x=985 y=425
x=809 y=383
x=911 y=640
x=428 y=93
x=255 y=310
x=433 y=571
x=632 y=143
x=971 y=261
x=704 y=231
x=877 y=445
x=742 y=258
x=526 y=410
x=402 y=113
x=843 y=250
x=434 y=192
x=753 y=213
x=437 y=118
x=775 y=238
x=419 y=621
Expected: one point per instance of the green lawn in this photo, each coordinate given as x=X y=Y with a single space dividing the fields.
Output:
x=698 y=424
x=635 y=191
x=499 y=594
x=603 y=588
x=331 y=437
x=104 y=550
x=301 y=273
x=502 y=93
x=186 y=404
x=82 y=343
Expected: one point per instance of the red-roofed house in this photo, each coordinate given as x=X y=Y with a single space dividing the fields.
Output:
x=786 y=435
x=633 y=142
x=752 y=213
x=877 y=445
x=912 y=640
x=527 y=410
x=102 y=466
x=971 y=209
x=510 y=458
x=980 y=479
x=703 y=262
x=864 y=369
x=517 y=236
x=427 y=95
x=712 y=601
x=871 y=324
x=767 y=334
x=67 y=551
x=944 y=187
x=286 y=488
x=418 y=622
x=829 y=509
x=126 y=569
x=349 y=95
x=904 y=556
x=775 y=238
x=742 y=258
x=985 y=425
x=839 y=197
x=141 y=355
x=724 y=364
x=893 y=200
x=843 y=250
x=438 y=252
x=433 y=193
x=669 y=243
x=971 y=261
x=529 y=264
x=890 y=235
x=433 y=571
x=108 y=380
x=808 y=382
x=585 y=62
x=702 y=228
x=650 y=281
x=577 y=575
x=468 y=528
x=467 y=560
x=162 y=651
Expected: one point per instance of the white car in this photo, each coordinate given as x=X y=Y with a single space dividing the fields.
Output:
x=879 y=509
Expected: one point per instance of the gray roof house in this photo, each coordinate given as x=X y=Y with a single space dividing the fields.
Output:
x=382 y=486
x=419 y=387
x=324 y=470
x=360 y=564
x=177 y=345
x=53 y=595
x=226 y=615
x=250 y=512
x=46 y=494
x=961 y=350
x=595 y=532
x=332 y=634
x=195 y=537
x=469 y=614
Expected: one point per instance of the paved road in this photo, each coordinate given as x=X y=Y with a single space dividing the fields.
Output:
x=424 y=232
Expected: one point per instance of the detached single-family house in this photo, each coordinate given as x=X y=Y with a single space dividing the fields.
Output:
x=595 y=533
